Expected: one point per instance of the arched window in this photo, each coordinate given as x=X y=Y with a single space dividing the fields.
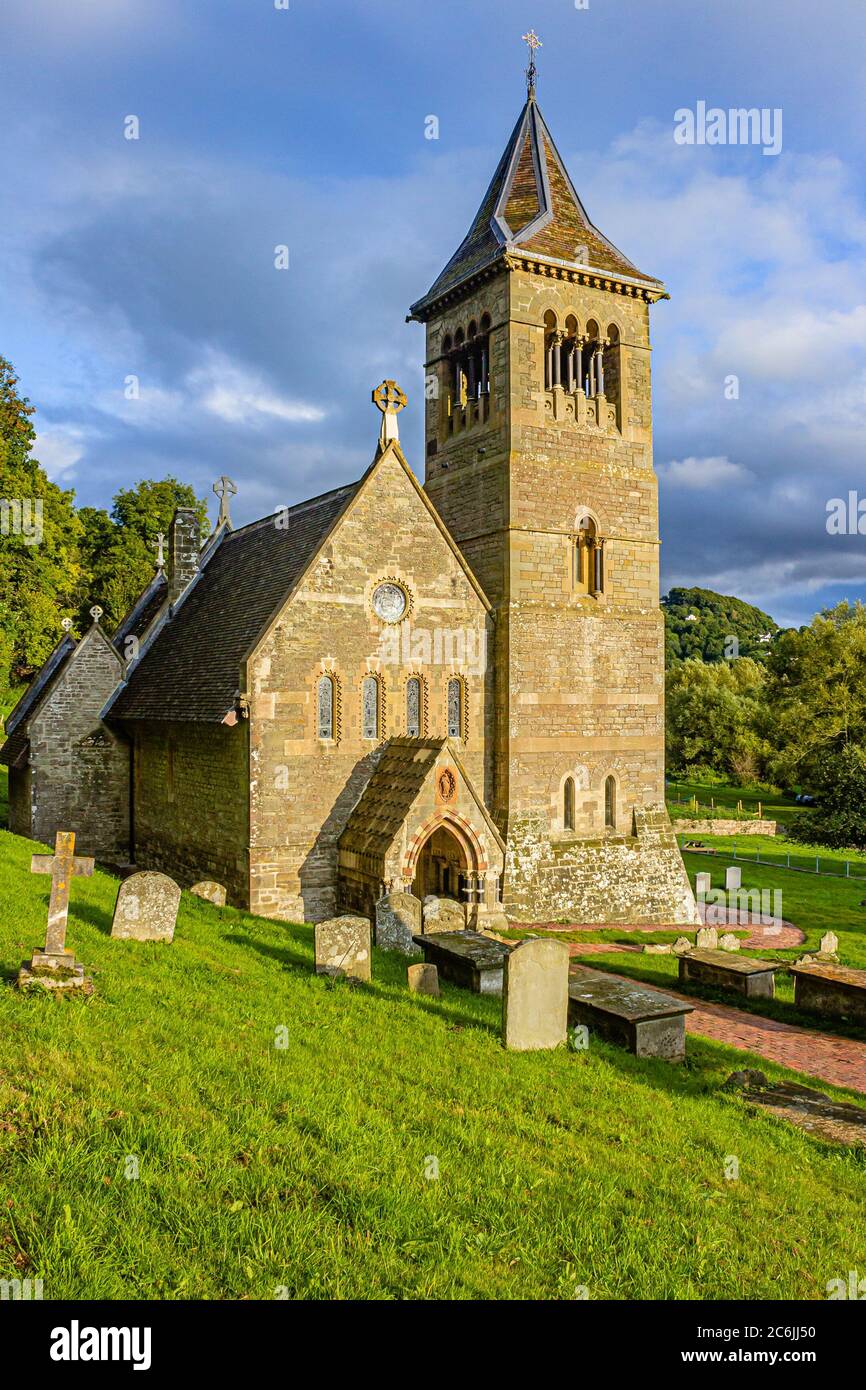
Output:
x=611 y=363
x=414 y=707
x=456 y=714
x=568 y=804
x=325 y=706
x=371 y=707
x=588 y=559
x=593 y=368
x=551 y=351
x=468 y=365
x=610 y=802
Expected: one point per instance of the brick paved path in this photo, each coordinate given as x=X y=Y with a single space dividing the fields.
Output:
x=837 y=1061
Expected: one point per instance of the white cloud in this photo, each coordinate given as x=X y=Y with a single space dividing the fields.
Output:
x=58 y=449
x=703 y=472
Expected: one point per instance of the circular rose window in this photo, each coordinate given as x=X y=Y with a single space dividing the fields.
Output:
x=389 y=603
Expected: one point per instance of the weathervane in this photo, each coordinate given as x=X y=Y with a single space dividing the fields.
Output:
x=532 y=42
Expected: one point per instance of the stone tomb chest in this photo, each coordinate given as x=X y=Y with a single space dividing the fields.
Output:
x=466 y=958
x=646 y=1021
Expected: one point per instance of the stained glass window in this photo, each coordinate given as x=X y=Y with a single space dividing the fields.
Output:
x=413 y=707
x=370 y=708
x=455 y=710
x=326 y=707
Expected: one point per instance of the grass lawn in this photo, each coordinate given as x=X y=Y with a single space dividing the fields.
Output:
x=774 y=805
x=309 y=1167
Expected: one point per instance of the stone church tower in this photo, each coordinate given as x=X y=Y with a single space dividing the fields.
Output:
x=539 y=460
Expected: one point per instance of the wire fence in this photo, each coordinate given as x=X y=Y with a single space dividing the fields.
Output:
x=797 y=863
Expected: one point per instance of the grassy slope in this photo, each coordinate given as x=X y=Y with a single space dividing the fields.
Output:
x=306 y=1167
x=773 y=805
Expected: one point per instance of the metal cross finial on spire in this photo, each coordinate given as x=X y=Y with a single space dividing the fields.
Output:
x=532 y=42
x=224 y=489
x=160 y=553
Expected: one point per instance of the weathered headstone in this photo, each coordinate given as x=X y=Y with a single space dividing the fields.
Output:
x=829 y=944
x=56 y=967
x=423 y=979
x=343 y=947
x=398 y=918
x=681 y=946
x=443 y=914
x=146 y=908
x=729 y=942
x=703 y=883
x=733 y=877
x=707 y=939
x=535 y=995
x=211 y=892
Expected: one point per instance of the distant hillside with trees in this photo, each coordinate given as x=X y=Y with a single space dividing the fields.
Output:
x=714 y=627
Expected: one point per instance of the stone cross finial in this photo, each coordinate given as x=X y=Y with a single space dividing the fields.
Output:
x=388 y=398
x=62 y=865
x=96 y=613
x=66 y=624
x=160 y=552
x=224 y=489
x=532 y=42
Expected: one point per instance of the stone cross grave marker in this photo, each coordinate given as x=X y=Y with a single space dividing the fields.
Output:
x=55 y=965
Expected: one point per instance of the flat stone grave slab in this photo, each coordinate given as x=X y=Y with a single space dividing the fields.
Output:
x=754 y=979
x=646 y=1021
x=838 y=991
x=466 y=958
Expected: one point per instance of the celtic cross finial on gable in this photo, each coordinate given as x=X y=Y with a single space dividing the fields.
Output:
x=224 y=489
x=390 y=400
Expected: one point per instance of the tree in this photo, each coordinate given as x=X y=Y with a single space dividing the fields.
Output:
x=839 y=819
x=39 y=533
x=714 y=627
x=119 y=551
x=816 y=693
x=713 y=717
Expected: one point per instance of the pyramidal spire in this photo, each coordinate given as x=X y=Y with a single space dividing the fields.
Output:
x=531 y=208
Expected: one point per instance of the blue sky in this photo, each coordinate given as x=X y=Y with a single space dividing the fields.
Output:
x=262 y=126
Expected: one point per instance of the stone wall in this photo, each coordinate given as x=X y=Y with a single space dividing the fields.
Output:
x=192 y=803
x=725 y=827
x=304 y=788
x=80 y=768
x=636 y=879
x=20 y=801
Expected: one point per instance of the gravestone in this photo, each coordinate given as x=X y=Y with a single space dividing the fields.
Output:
x=729 y=942
x=707 y=939
x=398 y=917
x=56 y=968
x=343 y=947
x=681 y=946
x=423 y=979
x=535 y=995
x=211 y=892
x=733 y=878
x=703 y=883
x=443 y=914
x=146 y=908
x=829 y=947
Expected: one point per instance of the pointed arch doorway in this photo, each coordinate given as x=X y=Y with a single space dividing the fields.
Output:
x=442 y=866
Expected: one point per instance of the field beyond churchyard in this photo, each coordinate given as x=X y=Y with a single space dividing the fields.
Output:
x=155 y=1143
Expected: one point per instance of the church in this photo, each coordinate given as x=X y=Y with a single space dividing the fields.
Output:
x=454 y=688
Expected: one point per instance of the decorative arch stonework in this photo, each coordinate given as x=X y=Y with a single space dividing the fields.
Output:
x=463 y=831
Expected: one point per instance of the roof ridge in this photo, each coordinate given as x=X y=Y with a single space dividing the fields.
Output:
x=295 y=510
